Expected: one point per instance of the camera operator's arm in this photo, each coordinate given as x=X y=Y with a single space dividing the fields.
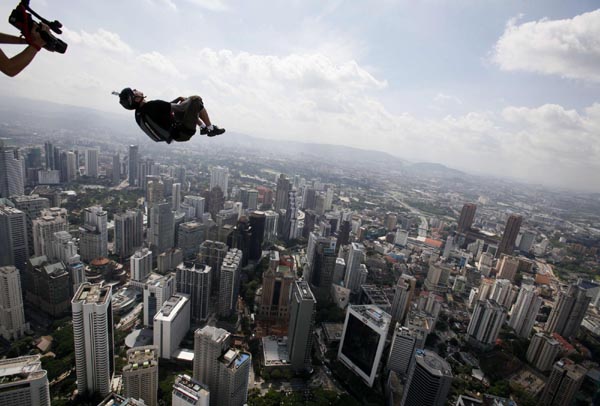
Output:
x=11 y=39
x=12 y=66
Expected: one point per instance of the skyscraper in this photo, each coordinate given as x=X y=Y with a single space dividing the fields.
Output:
x=322 y=267
x=224 y=369
x=277 y=282
x=49 y=155
x=542 y=351
x=194 y=279
x=14 y=249
x=176 y=197
x=509 y=237
x=363 y=339
x=161 y=233
x=189 y=392
x=229 y=282
x=212 y=254
x=301 y=327
x=171 y=324
x=219 y=176
x=47 y=286
x=467 y=215
x=23 y=382
x=503 y=292
x=116 y=169
x=140 y=264
x=12 y=178
x=93 y=241
x=282 y=192
x=133 y=165
x=196 y=205
x=93 y=338
x=140 y=374
x=189 y=237
x=32 y=206
x=429 y=381
x=525 y=311
x=354 y=273
x=157 y=290
x=129 y=232
x=405 y=342
x=569 y=311
x=403 y=295
x=508 y=267
x=485 y=323
x=12 y=313
x=91 y=163
x=257 y=221
x=290 y=222
x=564 y=382
x=43 y=228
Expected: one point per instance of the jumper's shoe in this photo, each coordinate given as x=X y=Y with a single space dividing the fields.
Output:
x=211 y=133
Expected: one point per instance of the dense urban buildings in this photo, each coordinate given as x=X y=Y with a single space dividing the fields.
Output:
x=429 y=380
x=23 y=382
x=140 y=375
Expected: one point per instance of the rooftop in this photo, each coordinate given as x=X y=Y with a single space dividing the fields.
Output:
x=304 y=289
x=90 y=294
x=117 y=400
x=434 y=363
x=373 y=314
x=171 y=307
x=333 y=331
x=216 y=334
x=190 y=387
x=234 y=358
x=20 y=369
x=275 y=351
x=141 y=357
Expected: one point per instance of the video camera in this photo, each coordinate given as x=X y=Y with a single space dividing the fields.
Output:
x=23 y=20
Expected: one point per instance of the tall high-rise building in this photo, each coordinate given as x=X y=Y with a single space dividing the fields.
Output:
x=467 y=215
x=290 y=221
x=503 y=292
x=129 y=232
x=403 y=295
x=71 y=170
x=525 y=310
x=542 y=351
x=194 y=206
x=405 y=341
x=223 y=369
x=140 y=374
x=212 y=254
x=249 y=198
x=176 y=197
x=161 y=232
x=219 y=176
x=23 y=382
x=257 y=221
x=91 y=163
x=64 y=248
x=189 y=237
x=485 y=323
x=322 y=267
x=140 y=264
x=47 y=286
x=12 y=176
x=363 y=339
x=93 y=241
x=508 y=267
x=116 y=169
x=189 y=392
x=564 y=382
x=12 y=313
x=429 y=380
x=157 y=289
x=133 y=165
x=229 y=282
x=509 y=237
x=93 y=338
x=355 y=274
x=569 y=311
x=155 y=190
x=271 y=225
x=32 y=206
x=301 y=327
x=282 y=192
x=49 y=155
x=195 y=279
x=277 y=283
x=171 y=324
x=14 y=248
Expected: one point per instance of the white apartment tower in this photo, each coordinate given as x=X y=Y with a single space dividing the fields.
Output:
x=354 y=274
x=23 y=382
x=195 y=280
x=93 y=338
x=171 y=324
x=129 y=232
x=229 y=282
x=157 y=290
x=140 y=264
x=11 y=172
x=12 y=313
x=93 y=242
x=91 y=163
x=161 y=232
x=525 y=310
x=219 y=176
x=485 y=323
x=50 y=221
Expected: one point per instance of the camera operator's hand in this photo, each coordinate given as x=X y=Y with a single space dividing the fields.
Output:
x=36 y=37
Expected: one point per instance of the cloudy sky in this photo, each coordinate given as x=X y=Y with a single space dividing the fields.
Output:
x=501 y=87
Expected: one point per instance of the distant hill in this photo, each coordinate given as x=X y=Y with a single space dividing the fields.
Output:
x=434 y=169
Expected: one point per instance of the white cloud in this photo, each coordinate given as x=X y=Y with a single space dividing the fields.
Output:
x=212 y=5
x=569 y=48
x=443 y=99
x=102 y=39
x=159 y=62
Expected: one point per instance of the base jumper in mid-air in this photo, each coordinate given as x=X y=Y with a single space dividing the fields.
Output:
x=169 y=121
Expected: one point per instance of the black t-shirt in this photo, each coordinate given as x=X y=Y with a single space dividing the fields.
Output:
x=158 y=111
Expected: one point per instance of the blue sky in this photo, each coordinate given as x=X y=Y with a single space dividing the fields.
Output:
x=507 y=88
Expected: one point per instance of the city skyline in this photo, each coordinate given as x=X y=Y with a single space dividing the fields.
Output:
x=407 y=81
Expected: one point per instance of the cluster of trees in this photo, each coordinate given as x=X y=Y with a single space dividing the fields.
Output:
x=315 y=397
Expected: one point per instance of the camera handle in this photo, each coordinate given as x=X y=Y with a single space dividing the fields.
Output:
x=54 y=25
